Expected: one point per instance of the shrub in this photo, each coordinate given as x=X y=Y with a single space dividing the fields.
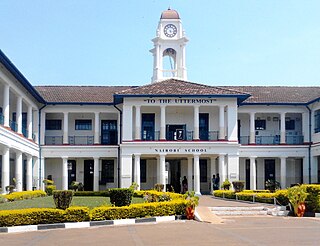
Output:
x=77 y=214
x=225 y=194
x=76 y=186
x=238 y=185
x=282 y=197
x=104 y=193
x=256 y=191
x=176 y=207
x=272 y=185
x=313 y=198
x=62 y=198
x=297 y=195
x=49 y=189
x=156 y=196
x=226 y=184
x=121 y=196
x=159 y=187
x=3 y=199
x=22 y=195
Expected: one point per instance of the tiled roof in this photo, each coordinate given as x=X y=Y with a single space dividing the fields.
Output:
x=179 y=87
x=278 y=94
x=79 y=94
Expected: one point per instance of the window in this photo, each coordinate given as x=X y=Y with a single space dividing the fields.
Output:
x=143 y=171
x=260 y=124
x=203 y=171
x=107 y=172
x=290 y=124
x=53 y=124
x=83 y=125
x=317 y=121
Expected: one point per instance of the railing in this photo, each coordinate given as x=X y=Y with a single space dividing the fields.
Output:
x=213 y=135
x=294 y=139
x=186 y=136
x=24 y=132
x=81 y=140
x=272 y=140
x=1 y=119
x=13 y=125
x=53 y=140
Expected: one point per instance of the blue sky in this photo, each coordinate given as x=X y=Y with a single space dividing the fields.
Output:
x=99 y=42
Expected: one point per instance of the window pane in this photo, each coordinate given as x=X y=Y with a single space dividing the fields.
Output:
x=83 y=124
x=317 y=121
x=203 y=171
x=107 y=172
x=260 y=124
x=143 y=171
x=53 y=124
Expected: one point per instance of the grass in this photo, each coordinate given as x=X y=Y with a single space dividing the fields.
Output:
x=47 y=202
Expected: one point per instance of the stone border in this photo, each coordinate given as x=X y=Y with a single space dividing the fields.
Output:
x=86 y=224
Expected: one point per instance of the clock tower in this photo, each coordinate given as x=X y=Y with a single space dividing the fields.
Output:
x=169 y=48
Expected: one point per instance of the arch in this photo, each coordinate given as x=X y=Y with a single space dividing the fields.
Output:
x=169 y=62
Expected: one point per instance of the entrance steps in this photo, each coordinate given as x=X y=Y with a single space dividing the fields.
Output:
x=249 y=211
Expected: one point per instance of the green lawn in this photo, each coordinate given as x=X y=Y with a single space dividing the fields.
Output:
x=47 y=202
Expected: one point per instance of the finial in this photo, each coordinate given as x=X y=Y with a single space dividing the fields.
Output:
x=169 y=8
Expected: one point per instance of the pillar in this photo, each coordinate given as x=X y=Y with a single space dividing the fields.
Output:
x=158 y=170
x=196 y=173
x=35 y=126
x=137 y=170
x=196 y=122
x=65 y=128
x=162 y=122
x=5 y=174
x=64 y=173
x=233 y=167
x=213 y=170
x=18 y=171
x=19 y=115
x=6 y=105
x=96 y=128
x=96 y=174
x=42 y=128
x=283 y=128
x=232 y=122
x=163 y=171
x=42 y=166
x=127 y=123
x=126 y=171
x=305 y=127
x=252 y=139
x=283 y=172
x=222 y=169
x=138 y=124
x=29 y=173
x=221 y=123
x=253 y=173
x=190 y=181
x=35 y=173
x=29 y=122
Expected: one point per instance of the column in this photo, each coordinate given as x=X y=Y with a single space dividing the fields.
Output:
x=196 y=173
x=221 y=123
x=42 y=166
x=222 y=169
x=163 y=171
x=283 y=172
x=213 y=170
x=252 y=139
x=233 y=167
x=138 y=124
x=19 y=115
x=163 y=122
x=137 y=170
x=29 y=122
x=35 y=173
x=196 y=122
x=96 y=174
x=126 y=171
x=29 y=173
x=232 y=122
x=43 y=128
x=65 y=128
x=190 y=181
x=64 y=173
x=127 y=123
x=18 y=170
x=158 y=170
x=253 y=173
x=305 y=127
x=283 y=128
x=5 y=174
x=96 y=128
x=35 y=125
x=6 y=105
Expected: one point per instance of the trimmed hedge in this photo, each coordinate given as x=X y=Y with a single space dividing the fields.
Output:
x=225 y=194
x=105 y=193
x=313 y=198
x=22 y=195
x=158 y=194
x=176 y=207
x=121 y=196
x=62 y=198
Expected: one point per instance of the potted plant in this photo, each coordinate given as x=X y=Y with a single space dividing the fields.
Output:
x=226 y=185
x=297 y=196
x=193 y=201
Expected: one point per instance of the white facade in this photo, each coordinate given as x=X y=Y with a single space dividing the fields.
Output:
x=158 y=138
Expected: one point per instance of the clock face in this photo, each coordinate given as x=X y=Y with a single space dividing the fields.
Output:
x=170 y=30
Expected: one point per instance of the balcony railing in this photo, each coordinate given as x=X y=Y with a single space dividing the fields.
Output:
x=272 y=140
x=24 y=132
x=53 y=140
x=213 y=135
x=185 y=136
x=1 y=119
x=81 y=140
x=13 y=125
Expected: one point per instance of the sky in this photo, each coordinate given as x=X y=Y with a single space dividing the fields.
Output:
x=107 y=42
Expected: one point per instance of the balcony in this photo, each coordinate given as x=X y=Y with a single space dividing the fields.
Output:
x=179 y=136
x=13 y=125
x=1 y=119
x=53 y=140
x=272 y=140
x=81 y=140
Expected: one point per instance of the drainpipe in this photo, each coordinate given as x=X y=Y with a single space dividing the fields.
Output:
x=310 y=142
x=40 y=149
x=120 y=142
